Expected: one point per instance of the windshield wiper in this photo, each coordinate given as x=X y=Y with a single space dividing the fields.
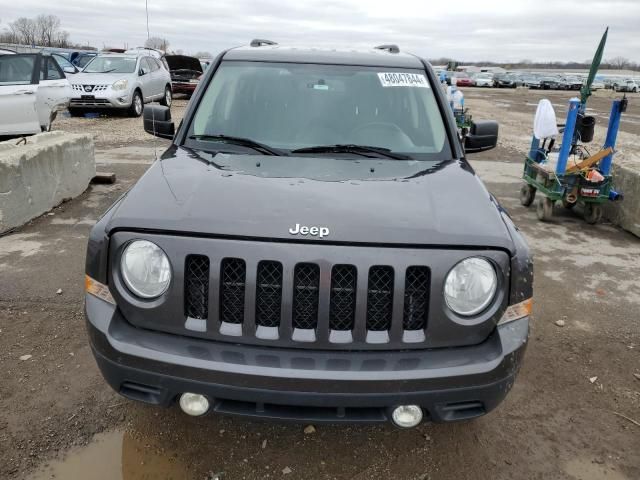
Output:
x=364 y=150
x=243 y=142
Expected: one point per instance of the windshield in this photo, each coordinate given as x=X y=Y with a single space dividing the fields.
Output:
x=111 y=65
x=294 y=106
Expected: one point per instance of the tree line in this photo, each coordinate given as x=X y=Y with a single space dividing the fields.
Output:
x=43 y=31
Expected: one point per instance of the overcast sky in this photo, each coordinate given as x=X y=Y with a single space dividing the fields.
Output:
x=472 y=30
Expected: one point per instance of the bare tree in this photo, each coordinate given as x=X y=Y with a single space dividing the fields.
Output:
x=25 y=29
x=157 y=43
x=620 y=63
x=48 y=30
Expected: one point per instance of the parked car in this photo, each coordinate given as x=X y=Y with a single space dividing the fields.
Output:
x=531 y=81
x=121 y=82
x=483 y=80
x=153 y=52
x=268 y=265
x=628 y=85
x=569 y=83
x=33 y=88
x=549 y=83
x=504 y=81
x=185 y=73
x=463 y=80
x=596 y=84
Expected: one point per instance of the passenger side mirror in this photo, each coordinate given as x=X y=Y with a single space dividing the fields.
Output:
x=483 y=135
x=157 y=121
x=70 y=69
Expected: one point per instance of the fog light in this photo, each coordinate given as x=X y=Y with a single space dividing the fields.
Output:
x=407 y=416
x=194 y=404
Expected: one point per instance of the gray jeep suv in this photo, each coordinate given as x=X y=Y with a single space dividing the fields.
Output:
x=120 y=81
x=313 y=246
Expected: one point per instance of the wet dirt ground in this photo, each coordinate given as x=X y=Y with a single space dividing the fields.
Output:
x=572 y=413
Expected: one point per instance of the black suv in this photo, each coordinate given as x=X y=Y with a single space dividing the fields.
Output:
x=312 y=246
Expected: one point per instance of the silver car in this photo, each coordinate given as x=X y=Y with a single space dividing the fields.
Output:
x=120 y=81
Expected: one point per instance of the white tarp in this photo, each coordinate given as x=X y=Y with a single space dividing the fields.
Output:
x=544 y=123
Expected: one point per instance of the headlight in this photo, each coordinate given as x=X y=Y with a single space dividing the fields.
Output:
x=120 y=84
x=470 y=286
x=145 y=269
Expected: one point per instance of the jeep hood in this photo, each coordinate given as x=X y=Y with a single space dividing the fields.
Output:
x=186 y=192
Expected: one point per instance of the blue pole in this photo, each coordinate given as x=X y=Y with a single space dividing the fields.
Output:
x=533 y=151
x=612 y=134
x=567 y=137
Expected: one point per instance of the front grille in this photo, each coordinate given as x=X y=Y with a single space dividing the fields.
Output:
x=233 y=274
x=196 y=299
x=91 y=88
x=307 y=302
x=305 y=295
x=416 y=298
x=88 y=102
x=379 y=298
x=268 y=294
x=342 y=309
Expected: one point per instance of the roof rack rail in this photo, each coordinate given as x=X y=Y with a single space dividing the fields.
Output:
x=259 y=42
x=391 y=48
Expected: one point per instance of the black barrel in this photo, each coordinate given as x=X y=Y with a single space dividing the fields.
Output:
x=585 y=127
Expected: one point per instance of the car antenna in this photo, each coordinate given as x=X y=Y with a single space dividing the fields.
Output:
x=259 y=42
x=391 y=48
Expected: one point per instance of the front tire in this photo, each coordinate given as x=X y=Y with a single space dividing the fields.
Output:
x=137 y=105
x=527 y=195
x=544 y=209
x=167 y=99
x=592 y=213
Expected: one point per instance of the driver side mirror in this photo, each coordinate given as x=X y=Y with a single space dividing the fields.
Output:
x=483 y=135
x=157 y=121
x=70 y=69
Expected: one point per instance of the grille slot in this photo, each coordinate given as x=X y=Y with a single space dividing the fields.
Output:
x=306 y=284
x=342 y=308
x=196 y=299
x=268 y=293
x=416 y=298
x=379 y=298
x=233 y=274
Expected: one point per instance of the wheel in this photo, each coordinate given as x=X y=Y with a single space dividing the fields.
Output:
x=76 y=112
x=168 y=97
x=592 y=213
x=544 y=209
x=527 y=194
x=568 y=205
x=137 y=105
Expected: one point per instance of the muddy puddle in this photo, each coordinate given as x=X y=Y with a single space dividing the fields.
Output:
x=115 y=456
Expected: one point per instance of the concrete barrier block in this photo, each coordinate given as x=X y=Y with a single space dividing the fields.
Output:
x=38 y=175
x=626 y=213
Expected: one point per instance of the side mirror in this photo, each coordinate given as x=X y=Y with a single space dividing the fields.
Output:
x=70 y=69
x=157 y=121
x=483 y=135
x=141 y=72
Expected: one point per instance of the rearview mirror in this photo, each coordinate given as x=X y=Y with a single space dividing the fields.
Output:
x=157 y=121
x=483 y=135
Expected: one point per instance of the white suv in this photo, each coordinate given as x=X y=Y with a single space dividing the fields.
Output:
x=120 y=81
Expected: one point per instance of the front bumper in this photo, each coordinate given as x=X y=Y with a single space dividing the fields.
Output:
x=295 y=384
x=108 y=98
x=183 y=87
